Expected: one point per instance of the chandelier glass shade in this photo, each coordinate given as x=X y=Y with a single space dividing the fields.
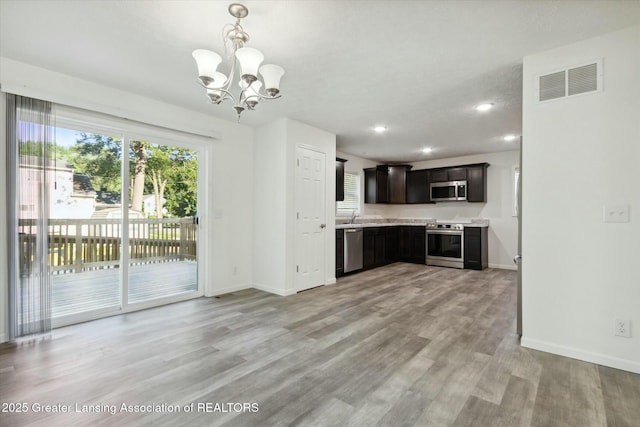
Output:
x=246 y=61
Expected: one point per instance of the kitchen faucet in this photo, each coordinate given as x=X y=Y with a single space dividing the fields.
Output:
x=352 y=219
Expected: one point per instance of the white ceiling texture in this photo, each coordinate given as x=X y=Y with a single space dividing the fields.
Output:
x=416 y=67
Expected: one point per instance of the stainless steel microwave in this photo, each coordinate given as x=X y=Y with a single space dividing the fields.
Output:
x=448 y=191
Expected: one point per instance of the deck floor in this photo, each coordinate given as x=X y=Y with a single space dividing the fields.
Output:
x=74 y=293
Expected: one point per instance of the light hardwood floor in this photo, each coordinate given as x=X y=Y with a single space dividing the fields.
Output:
x=402 y=345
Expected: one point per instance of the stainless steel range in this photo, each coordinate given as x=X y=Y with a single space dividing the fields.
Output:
x=445 y=245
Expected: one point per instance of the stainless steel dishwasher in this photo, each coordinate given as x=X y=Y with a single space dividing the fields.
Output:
x=352 y=249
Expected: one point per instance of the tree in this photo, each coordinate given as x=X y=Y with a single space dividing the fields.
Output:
x=173 y=175
x=166 y=172
x=37 y=149
x=159 y=185
x=140 y=165
x=183 y=197
x=98 y=157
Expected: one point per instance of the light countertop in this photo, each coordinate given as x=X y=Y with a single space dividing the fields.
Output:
x=423 y=223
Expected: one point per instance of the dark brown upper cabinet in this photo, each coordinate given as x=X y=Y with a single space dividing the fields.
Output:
x=477 y=182
x=386 y=184
x=399 y=184
x=458 y=173
x=340 y=179
x=418 y=186
x=376 y=185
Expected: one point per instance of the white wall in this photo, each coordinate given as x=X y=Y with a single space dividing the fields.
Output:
x=579 y=154
x=230 y=187
x=274 y=216
x=270 y=202
x=503 y=228
x=229 y=182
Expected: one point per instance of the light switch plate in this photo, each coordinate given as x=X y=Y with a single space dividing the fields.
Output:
x=616 y=213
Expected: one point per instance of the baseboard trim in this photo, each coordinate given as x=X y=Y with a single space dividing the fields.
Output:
x=504 y=266
x=587 y=356
x=3 y=338
x=332 y=281
x=272 y=290
x=228 y=290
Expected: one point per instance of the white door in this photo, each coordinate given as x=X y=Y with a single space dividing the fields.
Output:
x=310 y=219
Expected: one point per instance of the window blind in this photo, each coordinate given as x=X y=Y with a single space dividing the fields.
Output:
x=30 y=170
x=351 y=195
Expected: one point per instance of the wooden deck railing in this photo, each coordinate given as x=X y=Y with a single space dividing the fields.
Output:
x=77 y=245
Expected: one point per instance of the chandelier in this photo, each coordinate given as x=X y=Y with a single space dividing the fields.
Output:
x=246 y=60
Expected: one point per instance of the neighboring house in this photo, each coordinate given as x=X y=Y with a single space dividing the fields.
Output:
x=149 y=205
x=71 y=194
x=108 y=205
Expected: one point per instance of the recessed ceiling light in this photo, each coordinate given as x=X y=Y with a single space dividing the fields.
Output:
x=380 y=129
x=484 y=107
x=509 y=137
x=427 y=150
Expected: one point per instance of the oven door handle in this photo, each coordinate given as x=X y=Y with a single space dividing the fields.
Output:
x=449 y=232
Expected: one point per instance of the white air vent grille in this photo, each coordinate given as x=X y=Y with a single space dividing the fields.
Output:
x=576 y=80
x=552 y=86
x=583 y=79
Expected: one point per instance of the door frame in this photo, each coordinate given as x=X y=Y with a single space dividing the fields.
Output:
x=518 y=257
x=296 y=242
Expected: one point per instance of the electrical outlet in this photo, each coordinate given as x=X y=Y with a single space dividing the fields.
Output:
x=617 y=213
x=622 y=328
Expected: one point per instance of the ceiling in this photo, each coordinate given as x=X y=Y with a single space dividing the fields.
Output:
x=416 y=67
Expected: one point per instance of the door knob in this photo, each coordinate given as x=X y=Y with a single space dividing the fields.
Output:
x=517 y=258
x=323 y=225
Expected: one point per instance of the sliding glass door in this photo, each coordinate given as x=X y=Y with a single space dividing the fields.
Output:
x=123 y=226
x=85 y=231
x=162 y=222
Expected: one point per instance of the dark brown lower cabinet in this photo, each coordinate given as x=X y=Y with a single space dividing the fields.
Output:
x=386 y=245
x=368 y=248
x=391 y=244
x=404 y=244
x=412 y=246
x=476 y=248
x=418 y=245
x=339 y=253
x=374 y=247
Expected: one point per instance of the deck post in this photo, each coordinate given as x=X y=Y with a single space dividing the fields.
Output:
x=78 y=251
x=183 y=238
